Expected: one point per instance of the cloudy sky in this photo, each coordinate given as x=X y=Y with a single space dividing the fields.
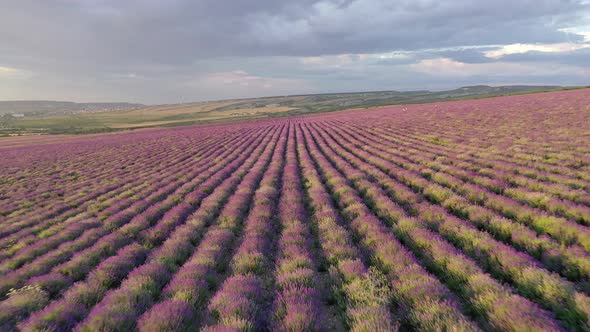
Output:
x=163 y=51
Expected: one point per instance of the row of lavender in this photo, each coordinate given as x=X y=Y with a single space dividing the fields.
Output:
x=145 y=223
x=365 y=221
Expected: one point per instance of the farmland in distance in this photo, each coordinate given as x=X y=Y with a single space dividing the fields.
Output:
x=462 y=215
x=26 y=118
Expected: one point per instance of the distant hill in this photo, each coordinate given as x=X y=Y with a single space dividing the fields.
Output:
x=338 y=101
x=57 y=117
x=60 y=107
x=494 y=90
x=48 y=107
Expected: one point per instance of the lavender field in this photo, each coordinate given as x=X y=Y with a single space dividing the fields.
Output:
x=456 y=216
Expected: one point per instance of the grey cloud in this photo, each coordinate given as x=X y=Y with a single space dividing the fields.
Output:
x=468 y=55
x=578 y=57
x=179 y=31
x=377 y=26
x=152 y=48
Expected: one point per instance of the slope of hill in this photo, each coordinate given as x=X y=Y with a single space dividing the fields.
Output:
x=45 y=117
x=47 y=107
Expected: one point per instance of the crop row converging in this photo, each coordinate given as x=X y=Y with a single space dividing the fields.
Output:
x=468 y=215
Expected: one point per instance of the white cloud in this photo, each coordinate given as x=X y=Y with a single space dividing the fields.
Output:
x=341 y=61
x=445 y=67
x=240 y=83
x=583 y=30
x=524 y=48
x=14 y=73
x=8 y=70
